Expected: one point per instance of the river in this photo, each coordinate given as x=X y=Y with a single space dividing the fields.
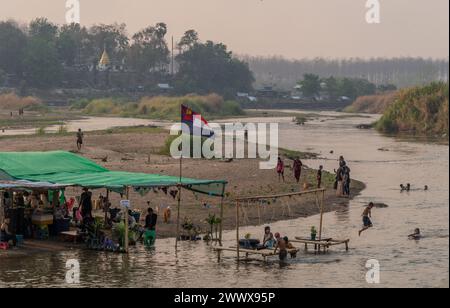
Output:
x=403 y=263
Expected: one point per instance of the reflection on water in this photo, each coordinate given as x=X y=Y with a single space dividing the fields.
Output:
x=404 y=263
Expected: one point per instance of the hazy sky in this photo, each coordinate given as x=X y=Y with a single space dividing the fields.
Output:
x=291 y=28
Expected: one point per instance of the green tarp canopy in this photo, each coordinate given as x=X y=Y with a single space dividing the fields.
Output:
x=67 y=169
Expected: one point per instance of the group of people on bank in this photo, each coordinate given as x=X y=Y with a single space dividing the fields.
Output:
x=297 y=171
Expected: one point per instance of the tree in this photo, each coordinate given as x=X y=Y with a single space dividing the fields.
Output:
x=13 y=42
x=112 y=37
x=189 y=39
x=210 y=67
x=43 y=68
x=74 y=44
x=149 y=51
x=43 y=29
x=332 y=87
x=2 y=77
x=310 y=85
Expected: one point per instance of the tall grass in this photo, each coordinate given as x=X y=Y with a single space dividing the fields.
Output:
x=11 y=101
x=166 y=108
x=372 y=103
x=62 y=130
x=420 y=110
x=40 y=131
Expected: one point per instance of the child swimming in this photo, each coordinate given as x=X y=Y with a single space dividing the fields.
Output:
x=416 y=235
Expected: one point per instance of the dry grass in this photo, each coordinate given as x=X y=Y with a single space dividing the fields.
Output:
x=11 y=101
x=372 y=103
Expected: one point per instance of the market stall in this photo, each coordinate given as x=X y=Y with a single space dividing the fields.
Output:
x=46 y=175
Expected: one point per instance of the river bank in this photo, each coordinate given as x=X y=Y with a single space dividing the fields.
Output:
x=138 y=149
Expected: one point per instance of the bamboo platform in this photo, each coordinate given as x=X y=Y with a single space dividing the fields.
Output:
x=265 y=253
x=321 y=245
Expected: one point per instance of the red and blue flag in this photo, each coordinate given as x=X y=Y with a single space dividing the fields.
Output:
x=196 y=123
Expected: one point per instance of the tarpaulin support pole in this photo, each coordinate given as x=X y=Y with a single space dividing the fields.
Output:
x=221 y=216
x=179 y=205
x=126 y=240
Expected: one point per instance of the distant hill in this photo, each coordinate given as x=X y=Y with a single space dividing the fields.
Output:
x=372 y=103
x=419 y=110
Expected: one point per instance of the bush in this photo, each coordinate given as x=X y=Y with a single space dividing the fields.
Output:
x=165 y=108
x=62 y=129
x=12 y=101
x=103 y=106
x=79 y=104
x=40 y=131
x=372 y=103
x=422 y=110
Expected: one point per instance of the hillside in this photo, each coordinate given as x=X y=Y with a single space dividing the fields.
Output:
x=419 y=110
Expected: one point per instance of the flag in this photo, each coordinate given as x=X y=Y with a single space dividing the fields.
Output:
x=195 y=120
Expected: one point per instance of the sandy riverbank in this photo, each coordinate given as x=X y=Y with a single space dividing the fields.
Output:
x=137 y=150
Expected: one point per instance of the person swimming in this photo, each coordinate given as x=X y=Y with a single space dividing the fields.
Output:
x=416 y=235
x=408 y=188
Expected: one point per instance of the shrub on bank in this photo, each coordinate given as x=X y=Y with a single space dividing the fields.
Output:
x=163 y=107
x=11 y=101
x=419 y=110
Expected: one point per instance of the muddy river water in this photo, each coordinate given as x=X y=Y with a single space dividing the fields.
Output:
x=403 y=263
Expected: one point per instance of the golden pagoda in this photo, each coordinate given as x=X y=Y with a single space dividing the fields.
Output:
x=104 y=62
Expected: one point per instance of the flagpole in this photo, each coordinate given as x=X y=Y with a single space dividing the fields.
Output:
x=179 y=204
x=179 y=192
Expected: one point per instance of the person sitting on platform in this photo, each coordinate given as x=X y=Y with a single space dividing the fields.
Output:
x=268 y=240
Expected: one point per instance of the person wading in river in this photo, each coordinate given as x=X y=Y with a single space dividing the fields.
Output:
x=281 y=246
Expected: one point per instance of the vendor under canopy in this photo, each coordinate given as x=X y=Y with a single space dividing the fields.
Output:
x=64 y=169
x=52 y=172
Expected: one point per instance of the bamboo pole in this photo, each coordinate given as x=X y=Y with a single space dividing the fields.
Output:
x=237 y=229
x=126 y=240
x=179 y=204
x=300 y=193
x=106 y=207
x=221 y=221
x=321 y=214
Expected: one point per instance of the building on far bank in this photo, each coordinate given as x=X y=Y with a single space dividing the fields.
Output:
x=105 y=62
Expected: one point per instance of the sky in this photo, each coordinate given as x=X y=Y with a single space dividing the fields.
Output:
x=290 y=28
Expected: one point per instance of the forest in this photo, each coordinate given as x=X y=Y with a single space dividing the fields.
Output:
x=401 y=72
x=44 y=55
